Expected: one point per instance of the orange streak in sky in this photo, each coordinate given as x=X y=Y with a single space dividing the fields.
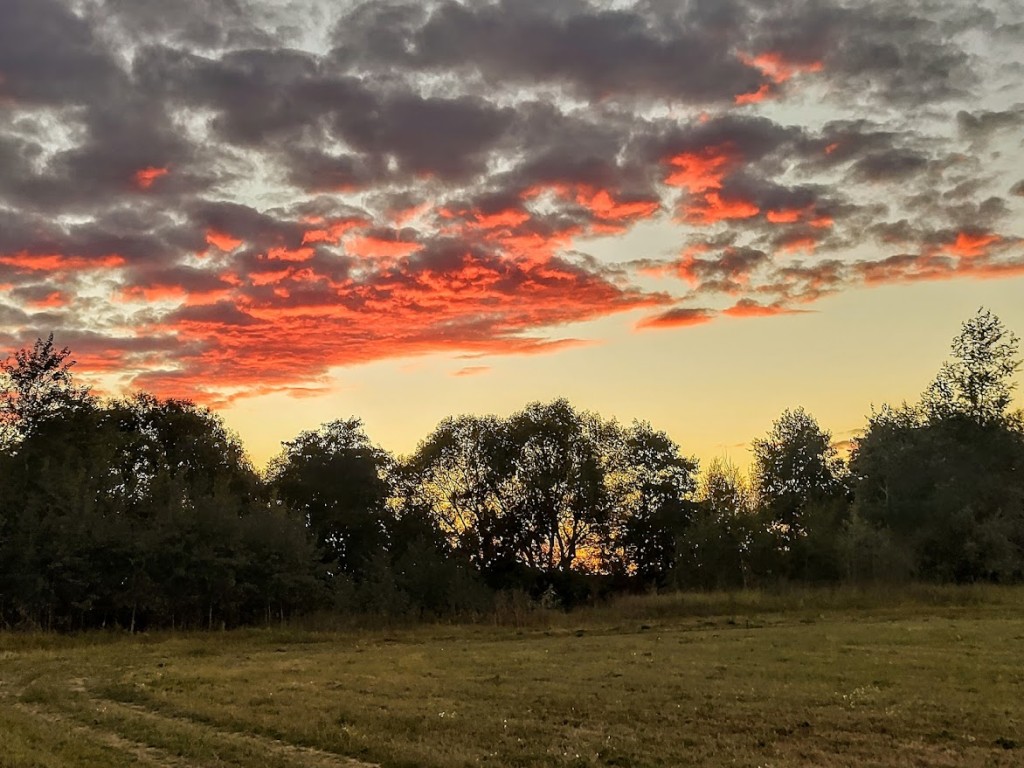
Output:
x=604 y=206
x=677 y=318
x=969 y=246
x=776 y=67
x=222 y=241
x=332 y=233
x=793 y=215
x=285 y=254
x=760 y=94
x=506 y=219
x=800 y=244
x=55 y=299
x=784 y=216
x=145 y=177
x=268 y=277
x=715 y=209
x=701 y=171
x=375 y=247
x=55 y=262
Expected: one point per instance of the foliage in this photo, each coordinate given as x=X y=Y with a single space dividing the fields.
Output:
x=977 y=383
x=141 y=512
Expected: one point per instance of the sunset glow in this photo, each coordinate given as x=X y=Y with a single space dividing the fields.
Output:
x=296 y=212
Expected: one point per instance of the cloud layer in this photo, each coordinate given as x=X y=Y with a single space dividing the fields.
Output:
x=222 y=199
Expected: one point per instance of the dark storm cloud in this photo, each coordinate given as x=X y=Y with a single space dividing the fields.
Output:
x=890 y=165
x=692 y=51
x=596 y=51
x=49 y=56
x=896 y=53
x=203 y=23
x=981 y=125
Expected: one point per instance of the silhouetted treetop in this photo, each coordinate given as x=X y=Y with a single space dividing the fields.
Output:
x=977 y=383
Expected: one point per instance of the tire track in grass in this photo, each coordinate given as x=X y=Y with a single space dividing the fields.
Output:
x=298 y=755
x=142 y=753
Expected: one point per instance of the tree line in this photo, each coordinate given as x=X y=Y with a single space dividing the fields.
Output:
x=139 y=512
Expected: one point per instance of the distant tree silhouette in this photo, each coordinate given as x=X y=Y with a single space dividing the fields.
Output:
x=337 y=479
x=943 y=481
x=36 y=384
x=794 y=465
x=714 y=552
x=652 y=484
x=977 y=382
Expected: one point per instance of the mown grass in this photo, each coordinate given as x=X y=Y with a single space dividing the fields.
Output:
x=915 y=676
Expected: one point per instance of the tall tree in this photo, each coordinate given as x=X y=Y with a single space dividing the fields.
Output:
x=561 y=493
x=977 y=383
x=36 y=384
x=652 y=483
x=338 y=480
x=940 y=483
x=794 y=465
x=714 y=551
x=464 y=474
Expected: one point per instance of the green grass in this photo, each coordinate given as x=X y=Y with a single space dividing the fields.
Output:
x=911 y=677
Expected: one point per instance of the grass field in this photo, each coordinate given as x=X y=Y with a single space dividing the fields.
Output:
x=922 y=677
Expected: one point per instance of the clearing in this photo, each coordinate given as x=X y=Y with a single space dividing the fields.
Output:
x=926 y=677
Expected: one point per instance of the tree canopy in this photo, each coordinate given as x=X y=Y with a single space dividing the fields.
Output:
x=140 y=512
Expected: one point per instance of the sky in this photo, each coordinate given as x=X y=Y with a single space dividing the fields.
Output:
x=694 y=213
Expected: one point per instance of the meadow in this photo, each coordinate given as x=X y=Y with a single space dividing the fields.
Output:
x=915 y=676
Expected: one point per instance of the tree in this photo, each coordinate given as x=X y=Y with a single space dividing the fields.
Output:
x=714 y=551
x=562 y=496
x=977 y=383
x=794 y=465
x=463 y=476
x=338 y=480
x=941 y=482
x=36 y=384
x=652 y=482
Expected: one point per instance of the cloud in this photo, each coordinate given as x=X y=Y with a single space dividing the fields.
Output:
x=217 y=199
x=472 y=370
x=678 y=317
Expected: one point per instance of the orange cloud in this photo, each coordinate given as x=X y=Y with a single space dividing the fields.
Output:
x=677 y=318
x=969 y=245
x=798 y=243
x=145 y=177
x=472 y=370
x=754 y=97
x=480 y=303
x=793 y=215
x=286 y=254
x=714 y=208
x=606 y=208
x=222 y=241
x=703 y=170
x=776 y=67
x=505 y=219
x=751 y=308
x=55 y=299
x=53 y=262
x=332 y=233
x=376 y=247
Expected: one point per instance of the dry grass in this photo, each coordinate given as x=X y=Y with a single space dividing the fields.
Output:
x=805 y=678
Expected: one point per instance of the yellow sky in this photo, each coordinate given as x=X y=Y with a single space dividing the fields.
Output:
x=712 y=387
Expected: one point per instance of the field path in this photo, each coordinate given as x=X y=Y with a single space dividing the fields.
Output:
x=303 y=756
x=122 y=727
x=143 y=753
